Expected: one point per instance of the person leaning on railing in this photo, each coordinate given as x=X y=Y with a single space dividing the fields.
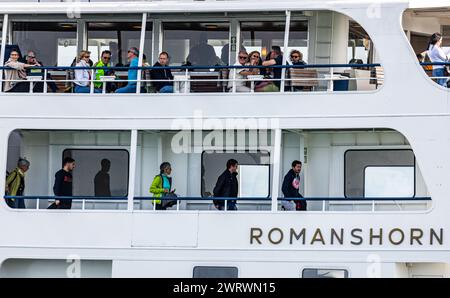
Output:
x=13 y=77
x=83 y=77
x=437 y=54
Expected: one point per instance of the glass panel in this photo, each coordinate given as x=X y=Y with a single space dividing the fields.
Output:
x=261 y=36
x=254 y=181
x=356 y=162
x=196 y=43
x=298 y=38
x=214 y=163
x=325 y=273
x=215 y=272
x=54 y=43
x=117 y=38
x=100 y=173
x=389 y=182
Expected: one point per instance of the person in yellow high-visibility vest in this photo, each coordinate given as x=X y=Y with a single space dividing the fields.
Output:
x=105 y=61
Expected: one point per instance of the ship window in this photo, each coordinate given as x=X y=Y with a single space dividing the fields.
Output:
x=197 y=43
x=215 y=272
x=360 y=47
x=254 y=172
x=261 y=36
x=117 y=38
x=90 y=180
x=55 y=43
x=380 y=173
x=324 y=273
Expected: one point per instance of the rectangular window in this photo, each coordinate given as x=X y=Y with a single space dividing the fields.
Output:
x=198 y=43
x=54 y=43
x=397 y=182
x=379 y=173
x=118 y=38
x=215 y=272
x=254 y=168
x=100 y=173
x=324 y=273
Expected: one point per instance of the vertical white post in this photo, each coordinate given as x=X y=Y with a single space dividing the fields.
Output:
x=132 y=169
x=285 y=48
x=331 y=80
x=2 y=53
x=276 y=165
x=45 y=81
x=92 y=81
x=141 y=51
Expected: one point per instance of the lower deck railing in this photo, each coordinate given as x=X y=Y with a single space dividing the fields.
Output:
x=341 y=203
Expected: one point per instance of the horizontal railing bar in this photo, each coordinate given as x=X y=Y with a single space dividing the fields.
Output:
x=362 y=199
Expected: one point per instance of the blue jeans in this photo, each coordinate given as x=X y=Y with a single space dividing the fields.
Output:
x=439 y=72
x=166 y=89
x=85 y=89
x=130 y=88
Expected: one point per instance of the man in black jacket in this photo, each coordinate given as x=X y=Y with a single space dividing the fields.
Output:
x=163 y=77
x=63 y=185
x=291 y=186
x=227 y=186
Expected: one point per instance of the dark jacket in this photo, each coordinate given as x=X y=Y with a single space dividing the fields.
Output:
x=226 y=187
x=161 y=74
x=289 y=191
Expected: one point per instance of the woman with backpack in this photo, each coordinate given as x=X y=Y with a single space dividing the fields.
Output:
x=162 y=187
x=15 y=184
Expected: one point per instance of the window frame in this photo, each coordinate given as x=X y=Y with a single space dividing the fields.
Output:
x=346 y=271
x=395 y=166
x=215 y=267
x=373 y=165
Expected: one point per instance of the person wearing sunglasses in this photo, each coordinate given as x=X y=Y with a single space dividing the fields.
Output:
x=14 y=77
x=83 y=76
x=240 y=74
x=31 y=59
x=105 y=61
x=297 y=58
x=133 y=58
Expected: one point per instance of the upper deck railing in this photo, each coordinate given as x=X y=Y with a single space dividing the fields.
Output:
x=207 y=79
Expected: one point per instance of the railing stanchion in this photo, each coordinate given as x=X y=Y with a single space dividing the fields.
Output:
x=234 y=80
x=31 y=86
x=92 y=81
x=186 y=73
x=83 y=204
x=226 y=205
x=37 y=203
x=373 y=206
x=178 y=205
x=323 y=205
x=45 y=81
x=331 y=79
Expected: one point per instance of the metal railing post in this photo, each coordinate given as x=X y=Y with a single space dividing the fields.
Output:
x=91 y=91
x=186 y=81
x=285 y=49
x=331 y=79
x=45 y=81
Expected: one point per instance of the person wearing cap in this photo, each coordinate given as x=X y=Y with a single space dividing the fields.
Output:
x=15 y=184
x=133 y=58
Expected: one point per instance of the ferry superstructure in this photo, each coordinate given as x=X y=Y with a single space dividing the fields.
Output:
x=375 y=167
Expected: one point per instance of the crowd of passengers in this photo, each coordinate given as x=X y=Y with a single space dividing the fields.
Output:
x=159 y=79
x=164 y=194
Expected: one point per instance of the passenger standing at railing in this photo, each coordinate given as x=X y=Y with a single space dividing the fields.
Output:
x=162 y=187
x=437 y=54
x=291 y=187
x=227 y=186
x=15 y=184
x=133 y=58
x=13 y=79
x=83 y=77
x=63 y=185
x=163 y=77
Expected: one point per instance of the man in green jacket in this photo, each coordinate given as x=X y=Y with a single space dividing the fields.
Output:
x=105 y=61
x=15 y=184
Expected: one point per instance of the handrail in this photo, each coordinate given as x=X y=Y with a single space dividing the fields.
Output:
x=203 y=67
x=363 y=199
